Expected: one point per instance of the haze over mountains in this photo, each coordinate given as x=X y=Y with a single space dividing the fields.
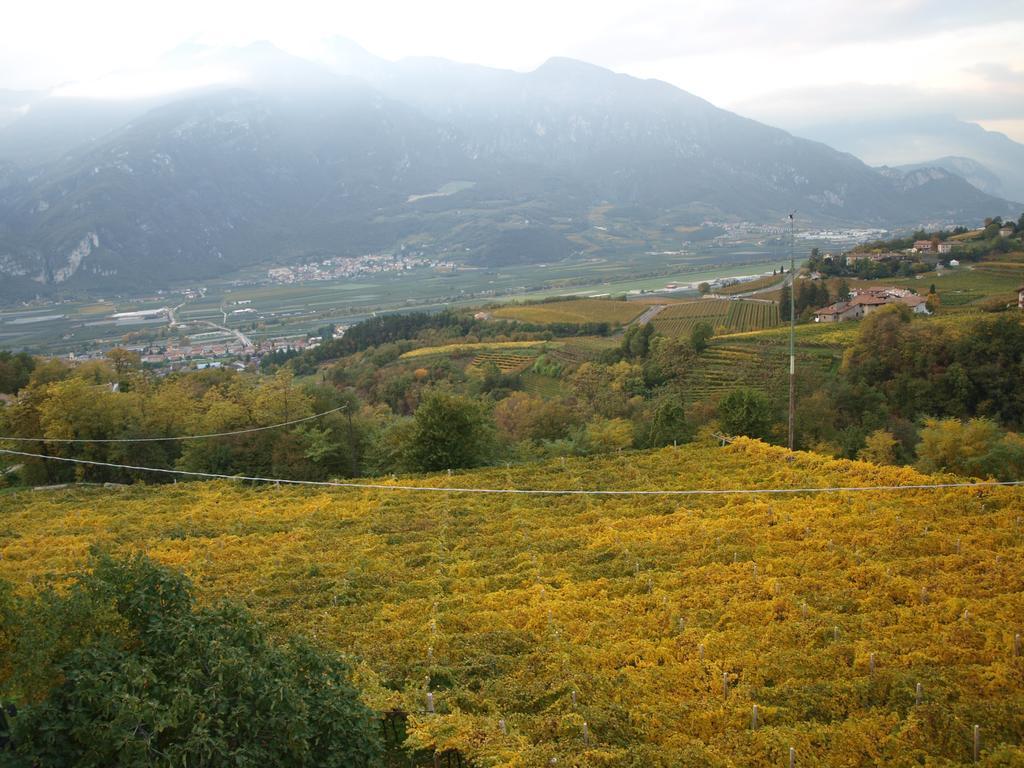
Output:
x=272 y=158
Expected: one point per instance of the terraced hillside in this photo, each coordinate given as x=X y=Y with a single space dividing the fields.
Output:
x=728 y=365
x=871 y=628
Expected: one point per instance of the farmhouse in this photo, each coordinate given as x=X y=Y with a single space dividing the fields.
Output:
x=864 y=302
x=945 y=247
x=922 y=246
x=833 y=313
x=1005 y=231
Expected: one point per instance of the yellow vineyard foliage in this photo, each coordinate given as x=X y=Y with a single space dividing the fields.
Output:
x=577 y=311
x=616 y=631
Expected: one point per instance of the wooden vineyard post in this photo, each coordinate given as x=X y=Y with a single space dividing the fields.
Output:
x=977 y=743
x=754 y=718
x=586 y=734
x=871 y=665
x=917 y=695
x=792 y=757
x=430 y=702
x=503 y=727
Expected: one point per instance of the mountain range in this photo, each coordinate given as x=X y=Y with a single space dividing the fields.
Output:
x=285 y=160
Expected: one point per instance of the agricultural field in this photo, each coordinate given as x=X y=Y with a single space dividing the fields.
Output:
x=867 y=628
x=725 y=316
x=577 y=311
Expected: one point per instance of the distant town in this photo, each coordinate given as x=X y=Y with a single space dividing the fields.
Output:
x=338 y=267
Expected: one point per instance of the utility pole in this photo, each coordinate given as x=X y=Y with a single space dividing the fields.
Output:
x=792 y=333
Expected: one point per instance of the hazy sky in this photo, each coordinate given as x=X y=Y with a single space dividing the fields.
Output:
x=796 y=59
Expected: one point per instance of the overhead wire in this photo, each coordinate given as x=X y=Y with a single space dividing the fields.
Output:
x=4 y=438
x=524 y=491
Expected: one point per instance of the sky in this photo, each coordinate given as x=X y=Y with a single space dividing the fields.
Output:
x=789 y=62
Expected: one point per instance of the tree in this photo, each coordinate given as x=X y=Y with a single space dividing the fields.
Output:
x=449 y=432
x=637 y=341
x=745 y=412
x=124 y=362
x=123 y=668
x=15 y=370
x=964 y=448
x=703 y=288
x=843 y=291
x=784 y=302
x=664 y=423
x=879 y=448
x=607 y=435
x=700 y=335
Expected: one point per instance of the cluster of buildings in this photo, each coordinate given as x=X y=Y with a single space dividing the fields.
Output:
x=352 y=266
x=863 y=302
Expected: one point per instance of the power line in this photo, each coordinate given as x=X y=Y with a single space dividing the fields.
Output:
x=159 y=439
x=527 y=491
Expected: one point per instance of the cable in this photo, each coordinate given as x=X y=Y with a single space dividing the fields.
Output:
x=159 y=439
x=526 y=491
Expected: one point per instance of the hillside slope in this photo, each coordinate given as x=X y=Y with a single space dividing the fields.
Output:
x=628 y=614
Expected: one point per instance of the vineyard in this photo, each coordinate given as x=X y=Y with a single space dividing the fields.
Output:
x=506 y=362
x=577 y=311
x=724 y=367
x=866 y=628
x=732 y=316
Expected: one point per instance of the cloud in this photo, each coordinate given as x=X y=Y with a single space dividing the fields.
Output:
x=860 y=102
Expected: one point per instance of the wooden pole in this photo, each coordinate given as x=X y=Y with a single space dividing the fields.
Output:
x=977 y=743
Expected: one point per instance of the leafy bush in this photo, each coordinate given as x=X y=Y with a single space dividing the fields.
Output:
x=124 y=669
